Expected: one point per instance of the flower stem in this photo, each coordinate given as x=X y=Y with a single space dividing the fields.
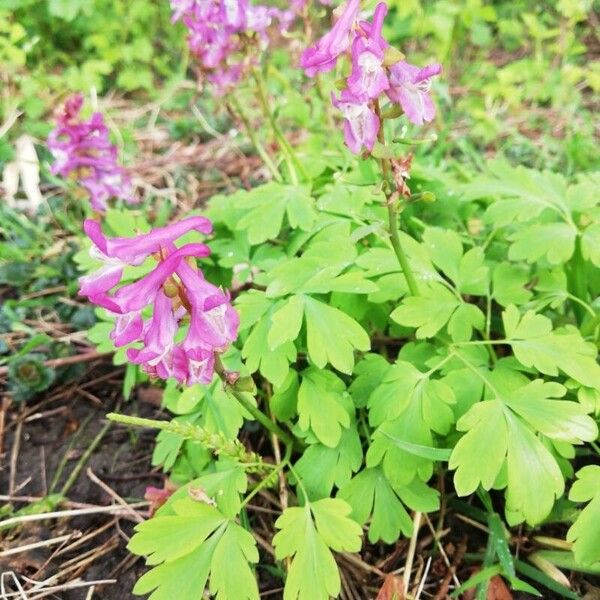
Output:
x=393 y=215
x=254 y=139
x=261 y=417
x=400 y=255
x=286 y=148
x=242 y=398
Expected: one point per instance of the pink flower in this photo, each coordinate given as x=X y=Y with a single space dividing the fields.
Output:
x=214 y=27
x=361 y=124
x=135 y=296
x=322 y=57
x=174 y=289
x=369 y=77
x=135 y=250
x=214 y=322
x=115 y=253
x=83 y=149
x=156 y=355
x=410 y=86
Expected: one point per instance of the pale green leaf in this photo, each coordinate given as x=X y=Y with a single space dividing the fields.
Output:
x=321 y=407
x=332 y=336
x=536 y=345
x=428 y=312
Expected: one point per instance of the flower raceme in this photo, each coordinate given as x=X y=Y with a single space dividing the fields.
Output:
x=177 y=291
x=215 y=30
x=82 y=149
x=371 y=75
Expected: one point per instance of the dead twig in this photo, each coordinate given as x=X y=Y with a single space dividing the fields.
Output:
x=93 y=477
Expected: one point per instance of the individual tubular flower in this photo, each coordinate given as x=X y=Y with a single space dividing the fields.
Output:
x=410 y=87
x=115 y=253
x=369 y=77
x=82 y=149
x=214 y=323
x=156 y=355
x=322 y=57
x=361 y=123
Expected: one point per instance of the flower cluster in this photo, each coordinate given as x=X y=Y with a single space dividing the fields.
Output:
x=175 y=289
x=82 y=149
x=375 y=71
x=215 y=28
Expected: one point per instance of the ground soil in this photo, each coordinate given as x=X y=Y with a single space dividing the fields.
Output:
x=65 y=428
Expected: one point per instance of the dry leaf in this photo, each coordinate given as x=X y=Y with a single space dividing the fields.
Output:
x=497 y=589
x=392 y=588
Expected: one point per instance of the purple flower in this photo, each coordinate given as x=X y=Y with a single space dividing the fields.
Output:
x=156 y=355
x=369 y=77
x=361 y=124
x=135 y=250
x=410 y=87
x=135 y=296
x=322 y=57
x=214 y=322
x=115 y=253
x=214 y=27
x=82 y=149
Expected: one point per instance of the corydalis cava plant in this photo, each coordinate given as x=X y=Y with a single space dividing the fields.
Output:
x=179 y=295
x=376 y=70
x=83 y=151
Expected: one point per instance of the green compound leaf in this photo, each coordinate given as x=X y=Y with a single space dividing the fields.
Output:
x=584 y=532
x=590 y=244
x=266 y=205
x=332 y=336
x=502 y=433
x=467 y=271
x=519 y=194
x=286 y=322
x=553 y=241
x=404 y=386
x=335 y=465
x=372 y=496
x=231 y=576
x=508 y=283
x=536 y=345
x=394 y=444
x=189 y=545
x=167 y=538
x=428 y=312
x=274 y=364
x=308 y=534
x=321 y=406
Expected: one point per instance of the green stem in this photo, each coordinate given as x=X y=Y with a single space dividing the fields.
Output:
x=393 y=216
x=576 y=278
x=241 y=397
x=270 y=478
x=400 y=255
x=291 y=158
x=254 y=139
x=261 y=417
